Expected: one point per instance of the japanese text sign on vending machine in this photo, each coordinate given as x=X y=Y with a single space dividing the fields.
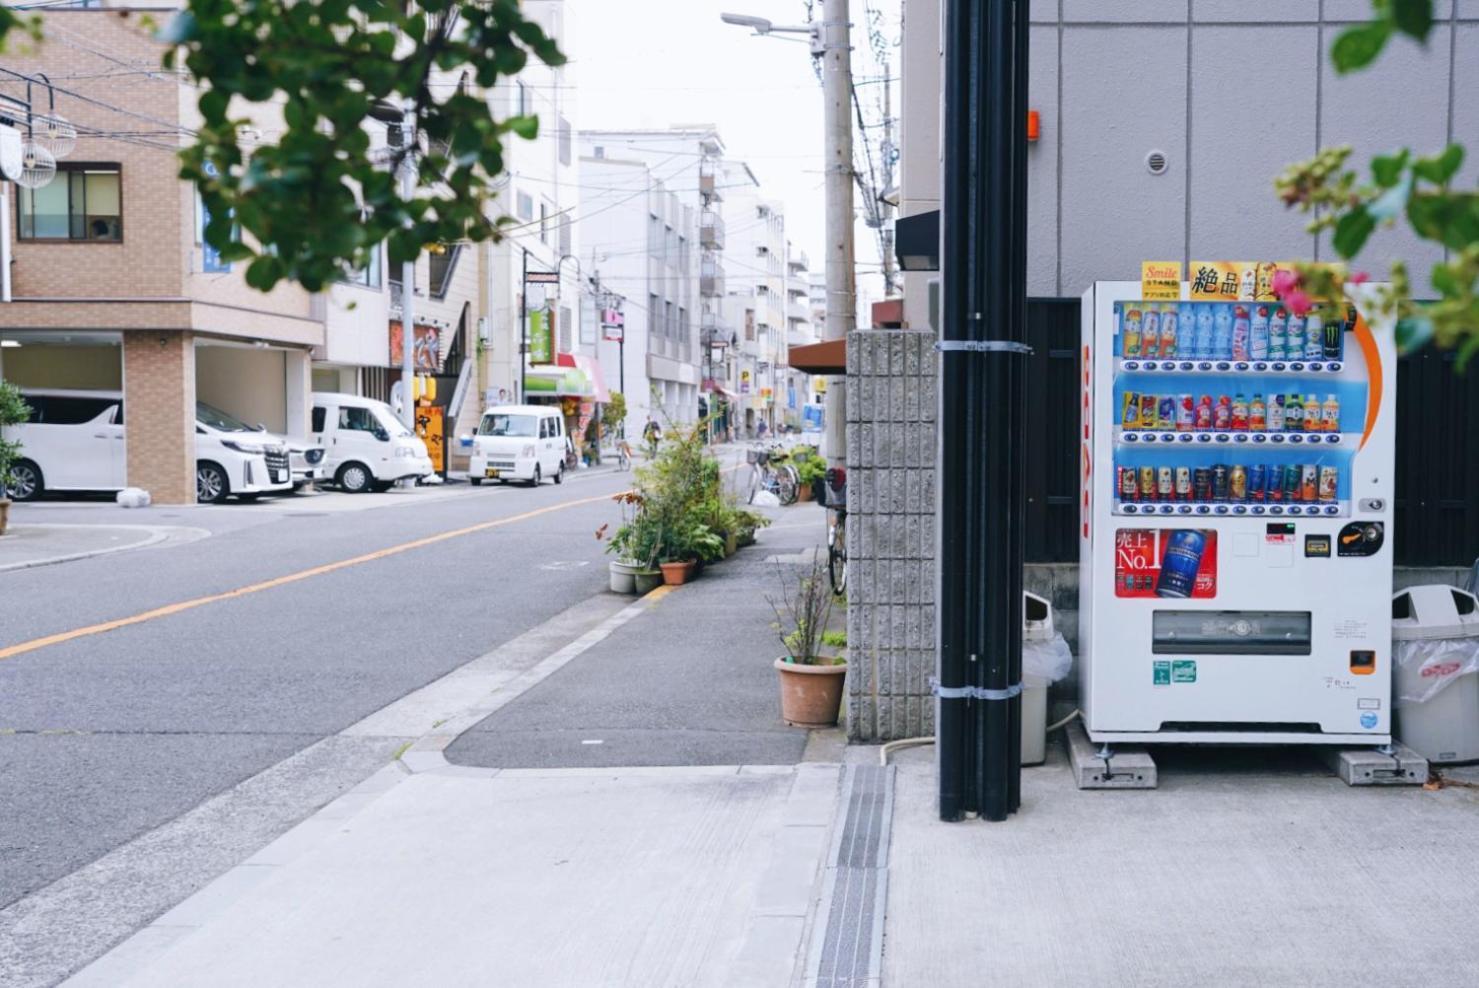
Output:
x=1165 y=562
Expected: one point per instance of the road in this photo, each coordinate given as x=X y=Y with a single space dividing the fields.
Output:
x=166 y=711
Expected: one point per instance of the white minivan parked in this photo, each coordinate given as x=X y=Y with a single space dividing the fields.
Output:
x=519 y=442
x=366 y=447
x=74 y=442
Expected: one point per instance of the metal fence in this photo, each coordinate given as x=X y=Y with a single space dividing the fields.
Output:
x=1437 y=506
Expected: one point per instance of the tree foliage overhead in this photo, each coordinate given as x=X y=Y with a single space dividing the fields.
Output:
x=316 y=201
x=1403 y=186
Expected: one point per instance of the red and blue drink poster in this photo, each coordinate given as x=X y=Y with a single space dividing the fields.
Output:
x=1165 y=562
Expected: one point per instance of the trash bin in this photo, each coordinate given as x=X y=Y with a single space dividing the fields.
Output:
x=1435 y=645
x=1045 y=660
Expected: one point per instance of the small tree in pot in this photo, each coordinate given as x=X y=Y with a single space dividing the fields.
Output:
x=811 y=683
x=13 y=411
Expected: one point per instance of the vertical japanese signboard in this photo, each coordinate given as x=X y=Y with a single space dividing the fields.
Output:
x=541 y=337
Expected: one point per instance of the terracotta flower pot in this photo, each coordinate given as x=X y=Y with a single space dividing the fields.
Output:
x=4 y=514
x=810 y=695
x=677 y=574
x=803 y=492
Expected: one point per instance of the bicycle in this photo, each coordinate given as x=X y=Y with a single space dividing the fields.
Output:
x=623 y=455
x=781 y=481
x=837 y=532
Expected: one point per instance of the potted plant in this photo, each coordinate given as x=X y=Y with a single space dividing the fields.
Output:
x=747 y=522
x=684 y=545
x=636 y=544
x=13 y=411
x=812 y=471
x=810 y=681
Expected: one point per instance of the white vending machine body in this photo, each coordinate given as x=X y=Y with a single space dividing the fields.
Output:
x=1211 y=611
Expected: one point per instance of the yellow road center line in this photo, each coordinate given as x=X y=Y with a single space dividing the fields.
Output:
x=12 y=651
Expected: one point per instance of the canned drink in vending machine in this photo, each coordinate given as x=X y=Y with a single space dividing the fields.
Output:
x=1329 y=483
x=1166 y=413
x=1257 y=474
x=1129 y=485
x=1292 y=482
x=1275 y=486
x=1237 y=483
x=1180 y=563
x=1219 y=482
x=1183 y=483
x=1149 y=412
x=1147 y=483
x=1201 y=484
x=1165 y=484
x=1309 y=486
x=1186 y=414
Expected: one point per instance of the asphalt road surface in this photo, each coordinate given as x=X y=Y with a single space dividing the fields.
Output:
x=167 y=711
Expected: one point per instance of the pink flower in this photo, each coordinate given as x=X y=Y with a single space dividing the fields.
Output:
x=1358 y=278
x=1299 y=303
x=1285 y=282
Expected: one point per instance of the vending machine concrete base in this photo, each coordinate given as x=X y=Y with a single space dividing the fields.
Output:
x=1236 y=528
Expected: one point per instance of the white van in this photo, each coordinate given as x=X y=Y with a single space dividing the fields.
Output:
x=74 y=442
x=519 y=442
x=365 y=446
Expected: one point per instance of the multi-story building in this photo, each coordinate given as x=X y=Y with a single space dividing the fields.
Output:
x=112 y=287
x=650 y=229
x=800 y=331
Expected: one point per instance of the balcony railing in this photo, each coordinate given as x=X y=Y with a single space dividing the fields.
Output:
x=711 y=231
x=711 y=278
x=708 y=182
x=799 y=261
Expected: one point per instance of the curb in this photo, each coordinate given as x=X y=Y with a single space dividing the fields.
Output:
x=157 y=535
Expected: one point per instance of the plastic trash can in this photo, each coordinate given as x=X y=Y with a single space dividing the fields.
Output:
x=1435 y=647
x=1045 y=660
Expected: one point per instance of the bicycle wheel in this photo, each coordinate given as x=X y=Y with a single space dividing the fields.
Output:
x=788 y=485
x=837 y=557
x=754 y=484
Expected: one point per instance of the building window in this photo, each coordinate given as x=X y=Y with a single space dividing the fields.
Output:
x=562 y=132
x=83 y=202
x=525 y=206
x=367 y=276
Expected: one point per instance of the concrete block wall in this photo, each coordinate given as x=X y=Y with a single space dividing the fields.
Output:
x=891 y=450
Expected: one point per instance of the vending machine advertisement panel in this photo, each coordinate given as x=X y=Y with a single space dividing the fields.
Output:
x=1236 y=529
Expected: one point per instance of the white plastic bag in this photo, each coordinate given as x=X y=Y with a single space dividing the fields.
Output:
x=1428 y=666
x=1046 y=662
x=133 y=497
x=766 y=499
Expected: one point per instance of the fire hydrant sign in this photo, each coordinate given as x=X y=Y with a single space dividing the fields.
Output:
x=1160 y=281
x=1145 y=565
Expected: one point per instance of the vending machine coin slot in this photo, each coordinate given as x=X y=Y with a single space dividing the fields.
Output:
x=1363 y=663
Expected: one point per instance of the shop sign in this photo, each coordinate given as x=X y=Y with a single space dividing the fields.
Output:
x=428 y=353
x=744 y=382
x=1233 y=281
x=1160 y=281
x=541 y=337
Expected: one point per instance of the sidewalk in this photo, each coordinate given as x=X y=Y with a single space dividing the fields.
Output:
x=689 y=847
x=24 y=546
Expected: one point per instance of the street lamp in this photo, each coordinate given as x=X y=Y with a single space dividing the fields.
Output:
x=764 y=27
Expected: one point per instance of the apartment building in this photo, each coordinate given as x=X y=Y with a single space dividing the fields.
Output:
x=650 y=229
x=112 y=287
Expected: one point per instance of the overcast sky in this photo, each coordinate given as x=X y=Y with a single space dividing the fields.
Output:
x=651 y=63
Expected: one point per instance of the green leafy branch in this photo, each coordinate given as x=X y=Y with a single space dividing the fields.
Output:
x=1402 y=186
x=321 y=199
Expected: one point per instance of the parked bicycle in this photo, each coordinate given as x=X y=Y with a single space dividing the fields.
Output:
x=782 y=481
x=836 y=479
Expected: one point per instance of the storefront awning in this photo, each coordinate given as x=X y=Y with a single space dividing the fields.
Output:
x=828 y=357
x=573 y=375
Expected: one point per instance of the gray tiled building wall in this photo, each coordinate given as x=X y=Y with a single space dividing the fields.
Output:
x=890 y=534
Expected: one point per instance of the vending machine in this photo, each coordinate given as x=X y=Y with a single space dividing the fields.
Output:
x=1236 y=536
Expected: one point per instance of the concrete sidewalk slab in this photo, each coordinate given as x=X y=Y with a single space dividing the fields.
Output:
x=657 y=877
x=1243 y=868
x=25 y=546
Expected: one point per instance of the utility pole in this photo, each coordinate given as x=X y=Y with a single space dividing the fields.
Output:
x=523 y=325
x=408 y=278
x=981 y=410
x=836 y=54
x=886 y=224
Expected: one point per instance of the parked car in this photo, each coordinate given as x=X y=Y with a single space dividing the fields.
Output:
x=519 y=442
x=306 y=462
x=74 y=442
x=365 y=446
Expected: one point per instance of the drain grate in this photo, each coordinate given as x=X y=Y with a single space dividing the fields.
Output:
x=849 y=953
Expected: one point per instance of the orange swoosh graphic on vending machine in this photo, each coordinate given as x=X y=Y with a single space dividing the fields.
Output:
x=1373 y=371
